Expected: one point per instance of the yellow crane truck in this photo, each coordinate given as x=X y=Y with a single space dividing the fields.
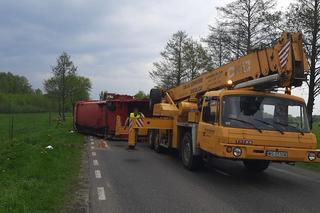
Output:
x=243 y=110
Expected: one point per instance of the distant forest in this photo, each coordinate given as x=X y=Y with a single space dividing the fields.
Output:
x=62 y=90
x=17 y=95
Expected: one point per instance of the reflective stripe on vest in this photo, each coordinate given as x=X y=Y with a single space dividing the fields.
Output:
x=132 y=115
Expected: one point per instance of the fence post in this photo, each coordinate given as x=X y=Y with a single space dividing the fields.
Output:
x=50 y=118
x=11 y=125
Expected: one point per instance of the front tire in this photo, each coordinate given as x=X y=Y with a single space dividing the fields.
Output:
x=256 y=165
x=190 y=161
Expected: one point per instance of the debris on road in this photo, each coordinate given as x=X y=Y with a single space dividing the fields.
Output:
x=49 y=147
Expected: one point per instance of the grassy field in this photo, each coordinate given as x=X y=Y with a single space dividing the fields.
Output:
x=33 y=178
x=316 y=131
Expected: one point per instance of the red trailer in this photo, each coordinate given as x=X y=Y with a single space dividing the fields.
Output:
x=100 y=117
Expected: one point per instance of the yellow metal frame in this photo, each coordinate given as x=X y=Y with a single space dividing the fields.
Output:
x=148 y=123
x=122 y=130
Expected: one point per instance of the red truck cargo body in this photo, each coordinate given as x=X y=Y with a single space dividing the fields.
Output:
x=90 y=117
x=99 y=117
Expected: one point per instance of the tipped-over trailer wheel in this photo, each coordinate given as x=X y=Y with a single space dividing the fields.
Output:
x=190 y=161
x=155 y=97
x=256 y=165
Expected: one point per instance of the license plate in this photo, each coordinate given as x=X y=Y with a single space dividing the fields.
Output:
x=276 y=154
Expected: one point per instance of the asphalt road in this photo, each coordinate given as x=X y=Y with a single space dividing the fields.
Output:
x=142 y=180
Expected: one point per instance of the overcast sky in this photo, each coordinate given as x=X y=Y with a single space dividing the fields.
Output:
x=114 y=43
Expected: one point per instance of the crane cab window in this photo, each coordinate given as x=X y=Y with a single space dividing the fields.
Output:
x=210 y=110
x=263 y=112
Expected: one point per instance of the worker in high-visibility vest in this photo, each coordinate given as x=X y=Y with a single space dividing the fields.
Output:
x=134 y=114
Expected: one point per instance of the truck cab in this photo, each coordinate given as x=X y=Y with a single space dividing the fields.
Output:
x=248 y=124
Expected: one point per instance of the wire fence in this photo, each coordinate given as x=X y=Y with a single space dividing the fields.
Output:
x=16 y=125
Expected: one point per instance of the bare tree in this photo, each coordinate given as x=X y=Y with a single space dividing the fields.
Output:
x=182 y=59
x=217 y=45
x=249 y=24
x=170 y=71
x=304 y=16
x=196 y=58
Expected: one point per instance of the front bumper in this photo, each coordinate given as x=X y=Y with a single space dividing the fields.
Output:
x=259 y=153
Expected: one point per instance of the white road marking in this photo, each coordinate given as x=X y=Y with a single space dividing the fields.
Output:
x=101 y=194
x=95 y=163
x=221 y=172
x=92 y=147
x=98 y=174
x=92 y=143
x=94 y=153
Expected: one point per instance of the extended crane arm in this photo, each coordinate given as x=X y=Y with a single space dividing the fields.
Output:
x=286 y=58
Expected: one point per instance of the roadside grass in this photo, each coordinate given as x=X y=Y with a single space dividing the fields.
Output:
x=33 y=178
x=313 y=166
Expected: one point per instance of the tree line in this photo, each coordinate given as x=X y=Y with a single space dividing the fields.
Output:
x=17 y=95
x=61 y=91
x=14 y=84
x=241 y=27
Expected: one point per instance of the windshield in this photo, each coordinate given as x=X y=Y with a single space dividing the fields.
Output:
x=267 y=113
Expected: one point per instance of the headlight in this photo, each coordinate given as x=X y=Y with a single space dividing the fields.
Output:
x=237 y=152
x=311 y=156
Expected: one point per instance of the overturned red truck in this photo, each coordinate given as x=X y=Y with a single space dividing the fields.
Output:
x=106 y=118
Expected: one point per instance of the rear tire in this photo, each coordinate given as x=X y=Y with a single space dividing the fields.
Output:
x=155 y=97
x=256 y=165
x=190 y=161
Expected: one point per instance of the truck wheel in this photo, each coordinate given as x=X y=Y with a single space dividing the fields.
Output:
x=155 y=97
x=190 y=161
x=156 y=141
x=256 y=165
x=151 y=139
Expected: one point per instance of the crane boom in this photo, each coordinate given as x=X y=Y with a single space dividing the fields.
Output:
x=285 y=58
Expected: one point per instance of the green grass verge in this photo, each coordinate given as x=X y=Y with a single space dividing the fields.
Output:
x=313 y=166
x=33 y=178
